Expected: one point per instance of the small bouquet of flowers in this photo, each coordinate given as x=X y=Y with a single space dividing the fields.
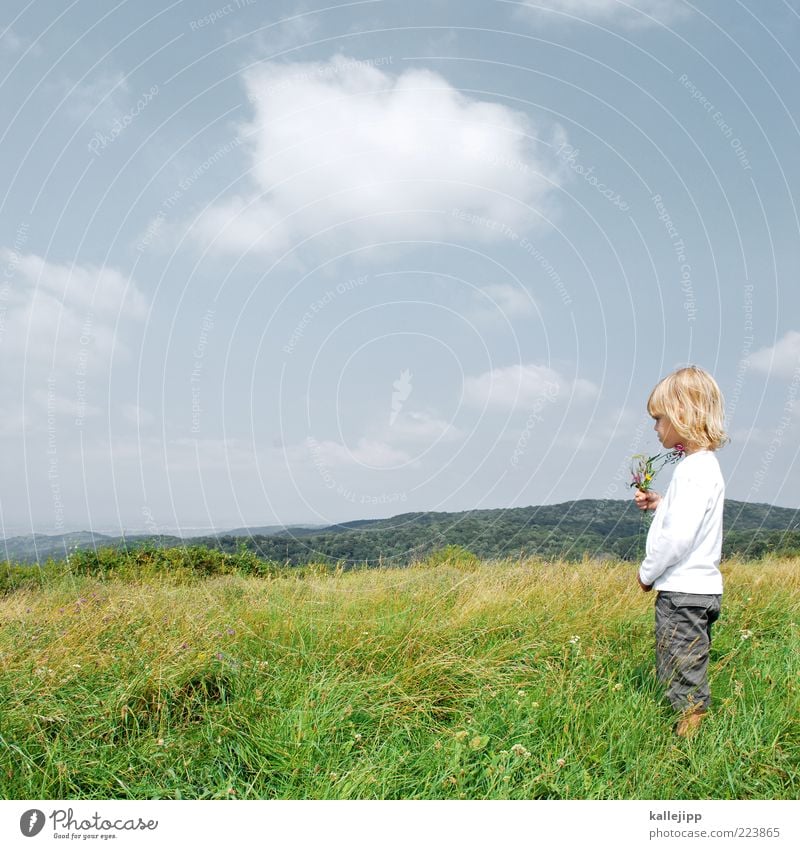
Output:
x=644 y=468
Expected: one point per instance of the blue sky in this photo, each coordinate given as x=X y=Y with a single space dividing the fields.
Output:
x=280 y=263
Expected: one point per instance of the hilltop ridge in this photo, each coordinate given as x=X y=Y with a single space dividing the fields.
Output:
x=569 y=530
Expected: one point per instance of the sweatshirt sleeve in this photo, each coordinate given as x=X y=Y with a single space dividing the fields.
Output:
x=685 y=512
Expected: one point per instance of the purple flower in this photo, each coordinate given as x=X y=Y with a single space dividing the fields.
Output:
x=644 y=468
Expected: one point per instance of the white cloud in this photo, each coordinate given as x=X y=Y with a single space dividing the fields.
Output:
x=65 y=322
x=521 y=385
x=782 y=359
x=385 y=155
x=372 y=453
x=239 y=225
x=103 y=291
x=386 y=445
x=629 y=13
x=421 y=427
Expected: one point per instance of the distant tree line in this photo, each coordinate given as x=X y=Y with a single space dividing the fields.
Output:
x=602 y=529
x=598 y=529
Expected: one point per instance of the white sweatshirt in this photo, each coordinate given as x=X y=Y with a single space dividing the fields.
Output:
x=684 y=543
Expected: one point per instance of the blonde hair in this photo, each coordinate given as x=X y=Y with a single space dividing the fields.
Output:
x=692 y=401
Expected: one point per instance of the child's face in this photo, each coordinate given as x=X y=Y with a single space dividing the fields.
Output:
x=666 y=432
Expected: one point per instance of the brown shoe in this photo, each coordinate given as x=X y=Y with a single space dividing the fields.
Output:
x=689 y=722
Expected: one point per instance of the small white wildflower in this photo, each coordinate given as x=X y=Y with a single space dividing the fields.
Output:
x=520 y=692
x=574 y=639
x=618 y=686
x=519 y=750
x=745 y=634
x=561 y=762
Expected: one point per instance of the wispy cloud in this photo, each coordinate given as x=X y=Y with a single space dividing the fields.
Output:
x=384 y=446
x=517 y=386
x=100 y=289
x=66 y=322
x=781 y=359
x=422 y=427
x=94 y=102
x=284 y=35
x=13 y=42
x=369 y=453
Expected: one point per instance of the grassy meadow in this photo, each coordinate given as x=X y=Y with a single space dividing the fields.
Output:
x=191 y=675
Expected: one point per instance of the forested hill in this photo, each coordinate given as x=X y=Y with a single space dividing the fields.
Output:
x=597 y=528
x=572 y=530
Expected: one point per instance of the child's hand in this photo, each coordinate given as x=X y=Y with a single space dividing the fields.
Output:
x=646 y=500
x=645 y=587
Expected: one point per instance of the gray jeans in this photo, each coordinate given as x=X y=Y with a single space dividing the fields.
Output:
x=683 y=639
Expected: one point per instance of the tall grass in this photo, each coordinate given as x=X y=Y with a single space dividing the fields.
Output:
x=450 y=679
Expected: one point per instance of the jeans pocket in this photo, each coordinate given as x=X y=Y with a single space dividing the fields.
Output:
x=710 y=603
x=689 y=600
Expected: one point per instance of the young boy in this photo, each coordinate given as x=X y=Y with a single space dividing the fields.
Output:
x=684 y=543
